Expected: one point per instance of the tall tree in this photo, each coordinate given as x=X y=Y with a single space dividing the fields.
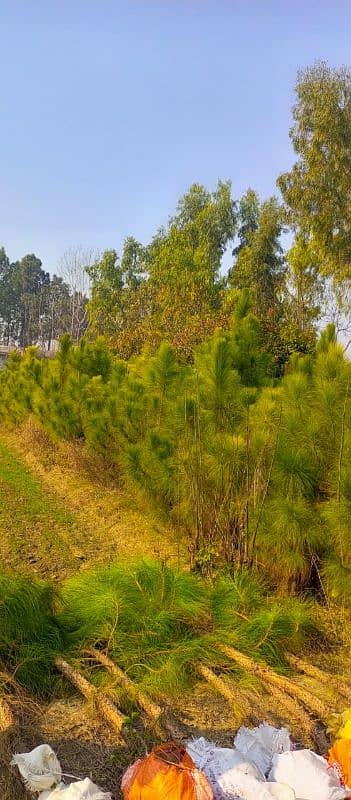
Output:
x=248 y=219
x=305 y=285
x=259 y=265
x=317 y=188
x=172 y=288
x=57 y=318
x=184 y=266
x=30 y=282
x=133 y=263
x=119 y=297
x=74 y=269
x=9 y=299
x=105 y=304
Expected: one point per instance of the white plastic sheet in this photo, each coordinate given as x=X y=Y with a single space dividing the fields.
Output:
x=40 y=769
x=232 y=774
x=262 y=743
x=79 y=790
x=236 y=784
x=309 y=775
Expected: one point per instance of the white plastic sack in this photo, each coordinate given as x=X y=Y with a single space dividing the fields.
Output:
x=40 y=769
x=221 y=759
x=235 y=773
x=217 y=762
x=309 y=775
x=260 y=744
x=79 y=790
x=236 y=784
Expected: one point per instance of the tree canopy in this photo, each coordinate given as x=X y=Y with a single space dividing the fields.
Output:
x=317 y=188
x=291 y=256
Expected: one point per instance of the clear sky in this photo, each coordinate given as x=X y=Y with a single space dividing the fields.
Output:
x=111 y=109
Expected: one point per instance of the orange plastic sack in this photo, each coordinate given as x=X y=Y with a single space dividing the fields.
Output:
x=167 y=772
x=340 y=756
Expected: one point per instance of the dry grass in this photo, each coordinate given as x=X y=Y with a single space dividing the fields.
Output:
x=106 y=521
x=84 y=746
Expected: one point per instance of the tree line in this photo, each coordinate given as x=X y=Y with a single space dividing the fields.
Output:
x=176 y=287
x=37 y=308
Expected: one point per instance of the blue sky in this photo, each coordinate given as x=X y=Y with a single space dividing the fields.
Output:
x=110 y=110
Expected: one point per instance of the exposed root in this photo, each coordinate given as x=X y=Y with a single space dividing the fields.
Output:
x=153 y=710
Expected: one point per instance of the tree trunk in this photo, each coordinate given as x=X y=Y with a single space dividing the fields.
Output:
x=109 y=711
x=326 y=678
x=152 y=710
x=284 y=684
x=6 y=716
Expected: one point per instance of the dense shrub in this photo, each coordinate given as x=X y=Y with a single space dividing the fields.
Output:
x=256 y=472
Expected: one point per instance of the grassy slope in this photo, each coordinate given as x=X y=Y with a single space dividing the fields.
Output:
x=36 y=531
x=59 y=513
x=56 y=515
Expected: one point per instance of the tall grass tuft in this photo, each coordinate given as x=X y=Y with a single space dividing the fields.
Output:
x=30 y=636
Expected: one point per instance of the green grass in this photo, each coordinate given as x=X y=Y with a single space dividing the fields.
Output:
x=29 y=633
x=36 y=532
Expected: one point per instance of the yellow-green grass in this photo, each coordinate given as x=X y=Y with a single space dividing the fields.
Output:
x=60 y=512
x=37 y=531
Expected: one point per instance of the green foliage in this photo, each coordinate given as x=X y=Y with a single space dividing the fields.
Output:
x=285 y=290
x=172 y=288
x=157 y=623
x=316 y=189
x=29 y=634
x=259 y=264
x=253 y=474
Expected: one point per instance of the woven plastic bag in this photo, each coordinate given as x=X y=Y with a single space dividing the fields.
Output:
x=167 y=772
x=217 y=763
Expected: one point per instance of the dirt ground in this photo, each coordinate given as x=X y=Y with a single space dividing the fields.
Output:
x=87 y=747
